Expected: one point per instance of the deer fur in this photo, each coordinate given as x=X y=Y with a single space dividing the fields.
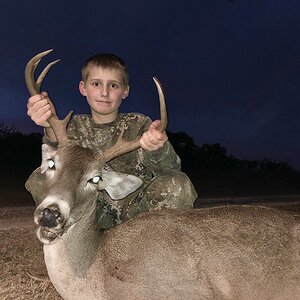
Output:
x=232 y=252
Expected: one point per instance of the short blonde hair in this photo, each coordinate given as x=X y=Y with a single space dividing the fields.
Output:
x=106 y=61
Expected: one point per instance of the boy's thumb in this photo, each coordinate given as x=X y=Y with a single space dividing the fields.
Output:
x=44 y=94
x=155 y=124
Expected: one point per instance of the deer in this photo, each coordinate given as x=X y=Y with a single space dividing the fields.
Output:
x=223 y=252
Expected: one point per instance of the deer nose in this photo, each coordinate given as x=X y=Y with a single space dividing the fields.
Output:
x=50 y=217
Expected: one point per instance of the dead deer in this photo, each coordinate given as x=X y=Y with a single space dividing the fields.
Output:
x=232 y=252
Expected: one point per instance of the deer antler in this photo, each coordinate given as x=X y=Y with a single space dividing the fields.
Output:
x=122 y=146
x=58 y=126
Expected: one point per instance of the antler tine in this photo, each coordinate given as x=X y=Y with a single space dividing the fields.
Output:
x=58 y=126
x=122 y=146
x=30 y=70
x=163 y=109
x=44 y=73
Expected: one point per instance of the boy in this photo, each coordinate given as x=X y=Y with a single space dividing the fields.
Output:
x=105 y=85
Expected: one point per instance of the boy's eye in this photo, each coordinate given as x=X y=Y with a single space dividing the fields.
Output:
x=114 y=85
x=96 y=84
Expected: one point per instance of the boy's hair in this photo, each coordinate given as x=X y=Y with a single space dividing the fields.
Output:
x=106 y=61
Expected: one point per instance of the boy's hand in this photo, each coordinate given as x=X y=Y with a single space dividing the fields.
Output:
x=153 y=139
x=39 y=109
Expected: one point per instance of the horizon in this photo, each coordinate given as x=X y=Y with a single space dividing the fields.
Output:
x=40 y=131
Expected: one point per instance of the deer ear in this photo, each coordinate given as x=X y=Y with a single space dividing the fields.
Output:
x=118 y=185
x=47 y=153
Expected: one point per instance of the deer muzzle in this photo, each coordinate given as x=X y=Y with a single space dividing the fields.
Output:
x=51 y=217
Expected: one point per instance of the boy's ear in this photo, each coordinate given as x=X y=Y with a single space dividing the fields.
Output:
x=126 y=92
x=82 y=88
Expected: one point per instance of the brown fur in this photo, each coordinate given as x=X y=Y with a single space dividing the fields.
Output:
x=232 y=252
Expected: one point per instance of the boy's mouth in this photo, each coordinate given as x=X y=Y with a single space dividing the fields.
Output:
x=102 y=101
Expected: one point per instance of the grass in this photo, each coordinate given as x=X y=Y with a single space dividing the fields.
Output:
x=19 y=250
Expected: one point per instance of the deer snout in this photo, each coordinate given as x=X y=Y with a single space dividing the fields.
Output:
x=52 y=212
x=50 y=217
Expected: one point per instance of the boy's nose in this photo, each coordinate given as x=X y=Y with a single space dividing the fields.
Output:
x=104 y=91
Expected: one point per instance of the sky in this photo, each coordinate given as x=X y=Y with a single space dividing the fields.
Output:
x=230 y=69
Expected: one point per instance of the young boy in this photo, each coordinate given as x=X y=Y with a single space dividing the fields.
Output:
x=105 y=85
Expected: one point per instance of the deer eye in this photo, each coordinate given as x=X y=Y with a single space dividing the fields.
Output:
x=51 y=164
x=95 y=179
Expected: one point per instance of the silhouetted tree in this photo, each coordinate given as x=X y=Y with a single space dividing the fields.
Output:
x=6 y=130
x=214 y=157
x=186 y=148
x=17 y=149
x=25 y=150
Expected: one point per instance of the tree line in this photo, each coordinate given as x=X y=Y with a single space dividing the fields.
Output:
x=25 y=150
x=215 y=157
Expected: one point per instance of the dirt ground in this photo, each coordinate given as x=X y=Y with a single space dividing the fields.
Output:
x=20 y=248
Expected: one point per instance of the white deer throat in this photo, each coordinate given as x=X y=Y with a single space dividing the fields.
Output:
x=71 y=260
x=76 y=249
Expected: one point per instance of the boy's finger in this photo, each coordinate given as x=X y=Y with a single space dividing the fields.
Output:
x=160 y=136
x=38 y=105
x=34 y=99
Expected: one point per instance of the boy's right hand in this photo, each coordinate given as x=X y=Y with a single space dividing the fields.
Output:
x=40 y=108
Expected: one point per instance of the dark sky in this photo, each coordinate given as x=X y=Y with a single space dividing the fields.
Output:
x=230 y=71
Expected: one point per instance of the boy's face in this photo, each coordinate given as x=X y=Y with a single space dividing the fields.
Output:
x=104 y=90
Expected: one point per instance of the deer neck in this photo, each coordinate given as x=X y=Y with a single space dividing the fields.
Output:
x=74 y=257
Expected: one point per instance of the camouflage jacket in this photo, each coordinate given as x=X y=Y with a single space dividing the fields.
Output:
x=143 y=164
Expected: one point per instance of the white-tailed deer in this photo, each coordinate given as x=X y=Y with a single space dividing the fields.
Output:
x=233 y=252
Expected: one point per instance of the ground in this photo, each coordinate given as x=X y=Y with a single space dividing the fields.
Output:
x=19 y=250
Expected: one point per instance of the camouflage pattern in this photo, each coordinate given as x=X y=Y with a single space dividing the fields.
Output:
x=170 y=189
x=164 y=185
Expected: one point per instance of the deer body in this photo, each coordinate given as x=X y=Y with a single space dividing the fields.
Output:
x=237 y=252
x=234 y=252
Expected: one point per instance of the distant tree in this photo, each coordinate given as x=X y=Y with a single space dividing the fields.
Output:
x=215 y=151
x=274 y=166
x=186 y=148
x=19 y=149
x=214 y=157
x=6 y=130
x=182 y=141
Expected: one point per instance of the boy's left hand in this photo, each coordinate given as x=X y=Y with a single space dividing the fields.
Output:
x=153 y=139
